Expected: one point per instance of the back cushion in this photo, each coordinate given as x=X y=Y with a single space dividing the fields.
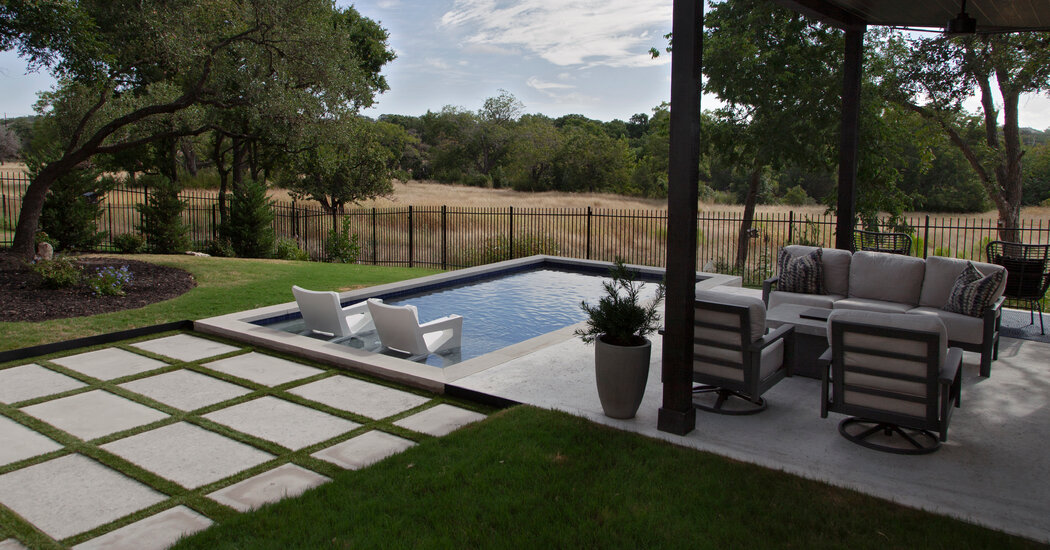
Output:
x=757 y=311
x=835 y=264
x=941 y=273
x=887 y=277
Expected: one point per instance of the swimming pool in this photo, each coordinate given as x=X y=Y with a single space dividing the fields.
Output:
x=501 y=327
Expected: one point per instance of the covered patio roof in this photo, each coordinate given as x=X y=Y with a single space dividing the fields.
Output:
x=991 y=15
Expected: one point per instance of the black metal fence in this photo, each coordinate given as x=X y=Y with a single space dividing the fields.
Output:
x=450 y=237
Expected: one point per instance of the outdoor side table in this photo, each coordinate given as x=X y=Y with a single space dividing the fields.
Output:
x=811 y=336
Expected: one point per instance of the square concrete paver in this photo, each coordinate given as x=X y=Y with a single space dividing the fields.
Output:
x=358 y=396
x=282 y=422
x=109 y=363
x=73 y=494
x=32 y=381
x=263 y=369
x=363 y=450
x=185 y=390
x=288 y=480
x=156 y=532
x=11 y=544
x=185 y=347
x=94 y=414
x=439 y=420
x=188 y=455
x=18 y=442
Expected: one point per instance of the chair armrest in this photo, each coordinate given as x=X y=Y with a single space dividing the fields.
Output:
x=454 y=322
x=951 y=366
x=783 y=331
x=825 y=357
x=767 y=287
x=356 y=309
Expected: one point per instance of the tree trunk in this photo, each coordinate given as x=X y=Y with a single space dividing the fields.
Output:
x=239 y=164
x=220 y=166
x=1008 y=172
x=24 y=244
x=189 y=156
x=743 y=240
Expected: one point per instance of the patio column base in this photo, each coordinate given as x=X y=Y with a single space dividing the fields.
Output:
x=676 y=422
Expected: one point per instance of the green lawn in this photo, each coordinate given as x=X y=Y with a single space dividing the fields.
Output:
x=224 y=285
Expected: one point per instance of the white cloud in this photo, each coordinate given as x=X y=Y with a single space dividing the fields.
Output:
x=436 y=63
x=557 y=91
x=537 y=84
x=388 y=4
x=615 y=33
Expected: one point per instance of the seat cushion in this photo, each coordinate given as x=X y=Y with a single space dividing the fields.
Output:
x=803 y=273
x=886 y=277
x=836 y=265
x=973 y=292
x=772 y=359
x=777 y=298
x=864 y=304
x=961 y=328
x=941 y=273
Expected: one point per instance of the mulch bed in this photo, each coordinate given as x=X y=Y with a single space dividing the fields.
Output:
x=23 y=299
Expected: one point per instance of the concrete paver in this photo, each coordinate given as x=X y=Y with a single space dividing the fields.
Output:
x=187 y=454
x=360 y=397
x=26 y=382
x=285 y=481
x=185 y=347
x=18 y=442
x=94 y=414
x=73 y=494
x=439 y=420
x=282 y=422
x=263 y=369
x=363 y=450
x=156 y=532
x=109 y=363
x=185 y=389
x=11 y=544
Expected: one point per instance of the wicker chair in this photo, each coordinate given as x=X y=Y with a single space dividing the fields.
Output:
x=893 y=243
x=1027 y=273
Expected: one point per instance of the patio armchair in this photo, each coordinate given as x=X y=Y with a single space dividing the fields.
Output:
x=895 y=375
x=876 y=241
x=734 y=359
x=399 y=329
x=323 y=314
x=1027 y=273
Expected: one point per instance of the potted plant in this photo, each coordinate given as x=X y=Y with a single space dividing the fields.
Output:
x=618 y=325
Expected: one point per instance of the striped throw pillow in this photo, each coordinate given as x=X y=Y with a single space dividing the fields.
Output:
x=804 y=274
x=973 y=292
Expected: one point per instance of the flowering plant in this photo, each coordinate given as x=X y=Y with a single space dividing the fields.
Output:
x=109 y=281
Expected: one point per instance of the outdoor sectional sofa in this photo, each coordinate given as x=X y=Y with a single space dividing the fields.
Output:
x=892 y=283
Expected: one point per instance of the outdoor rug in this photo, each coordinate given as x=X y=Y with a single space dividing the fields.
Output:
x=1017 y=324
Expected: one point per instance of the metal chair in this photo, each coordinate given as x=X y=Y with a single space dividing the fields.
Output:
x=893 y=243
x=1027 y=273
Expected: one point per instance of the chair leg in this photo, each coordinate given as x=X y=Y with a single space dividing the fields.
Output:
x=1039 y=306
x=724 y=396
x=889 y=438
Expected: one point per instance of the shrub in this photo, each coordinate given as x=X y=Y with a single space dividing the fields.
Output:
x=109 y=281
x=72 y=208
x=497 y=249
x=220 y=248
x=942 y=251
x=129 y=243
x=288 y=249
x=796 y=196
x=342 y=247
x=60 y=272
x=249 y=226
x=162 y=218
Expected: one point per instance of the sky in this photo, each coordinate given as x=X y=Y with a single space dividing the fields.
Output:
x=556 y=56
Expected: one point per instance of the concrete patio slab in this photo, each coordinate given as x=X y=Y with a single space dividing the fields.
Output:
x=73 y=494
x=156 y=532
x=282 y=422
x=11 y=544
x=18 y=442
x=109 y=363
x=439 y=420
x=94 y=414
x=185 y=347
x=363 y=450
x=187 y=454
x=263 y=369
x=186 y=390
x=359 y=397
x=285 y=481
x=26 y=382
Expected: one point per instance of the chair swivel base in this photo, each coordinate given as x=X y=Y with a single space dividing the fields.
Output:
x=889 y=438
x=726 y=401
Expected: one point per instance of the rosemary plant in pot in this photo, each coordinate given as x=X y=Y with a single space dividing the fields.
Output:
x=618 y=325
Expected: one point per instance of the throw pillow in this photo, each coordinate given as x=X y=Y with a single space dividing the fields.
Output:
x=973 y=292
x=803 y=274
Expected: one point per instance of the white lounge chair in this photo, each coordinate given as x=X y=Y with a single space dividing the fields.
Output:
x=399 y=329
x=322 y=313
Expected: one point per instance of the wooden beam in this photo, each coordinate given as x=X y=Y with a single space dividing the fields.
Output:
x=848 y=136
x=826 y=12
x=677 y=414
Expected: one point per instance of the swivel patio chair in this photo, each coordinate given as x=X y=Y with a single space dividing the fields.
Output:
x=323 y=314
x=399 y=329
x=874 y=241
x=1027 y=273
x=734 y=360
x=895 y=375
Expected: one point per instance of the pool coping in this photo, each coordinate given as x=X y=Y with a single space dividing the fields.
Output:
x=240 y=326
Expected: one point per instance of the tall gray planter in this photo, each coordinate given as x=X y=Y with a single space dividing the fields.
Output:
x=621 y=372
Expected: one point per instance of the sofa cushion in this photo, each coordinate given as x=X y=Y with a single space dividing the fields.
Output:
x=886 y=277
x=777 y=298
x=973 y=291
x=961 y=328
x=864 y=304
x=836 y=264
x=756 y=311
x=941 y=273
x=803 y=273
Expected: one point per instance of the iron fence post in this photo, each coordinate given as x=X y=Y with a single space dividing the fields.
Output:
x=588 y=232
x=444 y=237
x=791 y=226
x=926 y=237
x=375 y=256
x=511 y=239
x=411 y=237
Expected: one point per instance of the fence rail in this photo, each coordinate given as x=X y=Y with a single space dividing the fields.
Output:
x=450 y=237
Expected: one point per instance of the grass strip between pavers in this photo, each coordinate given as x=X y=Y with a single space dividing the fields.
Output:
x=195 y=499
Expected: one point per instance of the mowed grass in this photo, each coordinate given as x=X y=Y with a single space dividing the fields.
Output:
x=224 y=285
x=530 y=478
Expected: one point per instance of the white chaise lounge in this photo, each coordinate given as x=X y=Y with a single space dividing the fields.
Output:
x=399 y=329
x=323 y=314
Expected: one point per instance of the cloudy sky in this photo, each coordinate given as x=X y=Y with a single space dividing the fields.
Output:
x=557 y=56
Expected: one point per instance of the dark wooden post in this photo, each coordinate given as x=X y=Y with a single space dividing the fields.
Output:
x=677 y=415
x=848 y=132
